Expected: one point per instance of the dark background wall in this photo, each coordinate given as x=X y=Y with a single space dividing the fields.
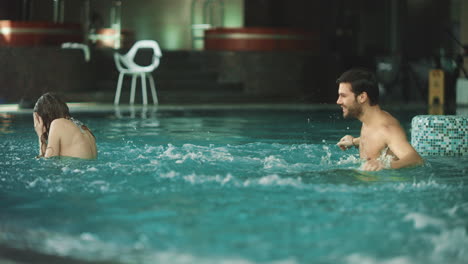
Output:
x=10 y=10
x=405 y=37
x=356 y=28
x=365 y=27
x=400 y=39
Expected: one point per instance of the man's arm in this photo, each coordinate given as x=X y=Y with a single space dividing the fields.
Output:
x=356 y=142
x=399 y=145
x=348 y=141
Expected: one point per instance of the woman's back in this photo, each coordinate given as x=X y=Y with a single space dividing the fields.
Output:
x=68 y=137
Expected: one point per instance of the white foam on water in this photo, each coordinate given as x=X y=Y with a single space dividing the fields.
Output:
x=357 y=258
x=456 y=208
x=169 y=153
x=451 y=244
x=88 y=237
x=169 y=175
x=92 y=169
x=351 y=159
x=152 y=149
x=326 y=160
x=199 y=179
x=429 y=183
x=451 y=240
x=84 y=246
x=103 y=186
x=34 y=182
x=269 y=180
x=174 y=257
x=422 y=185
x=98 y=183
x=41 y=182
x=274 y=162
x=113 y=165
x=274 y=180
x=226 y=179
x=68 y=170
x=191 y=156
x=221 y=154
x=422 y=221
x=89 y=247
x=209 y=153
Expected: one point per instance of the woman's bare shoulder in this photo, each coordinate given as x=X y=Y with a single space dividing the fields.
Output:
x=62 y=124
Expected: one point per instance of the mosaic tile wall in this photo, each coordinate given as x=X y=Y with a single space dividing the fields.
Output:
x=439 y=135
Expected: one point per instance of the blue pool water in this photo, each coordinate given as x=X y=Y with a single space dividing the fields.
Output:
x=227 y=186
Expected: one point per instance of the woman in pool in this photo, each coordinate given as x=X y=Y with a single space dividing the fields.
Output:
x=59 y=133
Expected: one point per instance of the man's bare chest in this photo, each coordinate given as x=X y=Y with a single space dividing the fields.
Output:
x=371 y=143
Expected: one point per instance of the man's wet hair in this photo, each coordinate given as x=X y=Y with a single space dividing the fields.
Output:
x=362 y=80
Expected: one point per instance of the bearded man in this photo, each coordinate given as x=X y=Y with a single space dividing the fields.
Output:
x=382 y=143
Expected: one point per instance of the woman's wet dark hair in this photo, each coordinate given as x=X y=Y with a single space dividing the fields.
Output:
x=50 y=107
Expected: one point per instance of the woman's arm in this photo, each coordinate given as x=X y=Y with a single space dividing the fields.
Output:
x=53 y=144
x=40 y=130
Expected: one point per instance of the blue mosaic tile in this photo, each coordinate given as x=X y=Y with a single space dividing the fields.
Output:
x=440 y=135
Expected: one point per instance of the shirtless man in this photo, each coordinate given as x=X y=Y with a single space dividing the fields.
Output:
x=381 y=134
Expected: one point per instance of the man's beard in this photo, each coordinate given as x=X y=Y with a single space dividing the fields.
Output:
x=354 y=111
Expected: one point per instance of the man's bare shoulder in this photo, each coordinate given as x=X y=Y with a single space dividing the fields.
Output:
x=390 y=125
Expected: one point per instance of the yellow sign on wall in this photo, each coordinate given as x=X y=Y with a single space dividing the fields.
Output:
x=436 y=92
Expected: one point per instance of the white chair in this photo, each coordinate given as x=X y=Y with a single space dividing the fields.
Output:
x=81 y=46
x=126 y=65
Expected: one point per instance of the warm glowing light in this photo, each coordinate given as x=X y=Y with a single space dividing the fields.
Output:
x=5 y=30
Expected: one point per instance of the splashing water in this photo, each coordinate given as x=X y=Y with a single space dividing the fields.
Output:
x=266 y=186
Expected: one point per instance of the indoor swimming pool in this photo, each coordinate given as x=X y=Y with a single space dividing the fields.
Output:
x=227 y=186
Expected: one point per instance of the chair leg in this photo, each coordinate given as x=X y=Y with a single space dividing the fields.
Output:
x=132 y=91
x=143 y=88
x=119 y=88
x=153 y=89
